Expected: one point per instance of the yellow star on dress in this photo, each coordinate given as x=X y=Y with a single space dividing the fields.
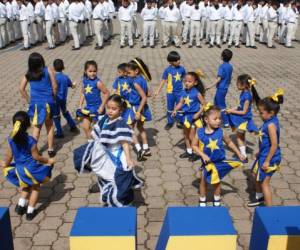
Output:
x=177 y=77
x=125 y=86
x=187 y=101
x=212 y=145
x=88 y=89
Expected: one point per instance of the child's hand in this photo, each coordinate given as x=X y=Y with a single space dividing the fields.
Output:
x=228 y=111
x=205 y=158
x=265 y=166
x=130 y=164
x=74 y=84
x=174 y=113
x=101 y=110
x=156 y=93
x=241 y=157
x=51 y=161
x=195 y=117
x=138 y=116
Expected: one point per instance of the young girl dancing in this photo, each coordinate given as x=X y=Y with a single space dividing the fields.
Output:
x=269 y=156
x=191 y=105
x=212 y=152
x=27 y=172
x=91 y=92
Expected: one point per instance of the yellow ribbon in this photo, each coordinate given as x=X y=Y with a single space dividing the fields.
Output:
x=16 y=129
x=252 y=82
x=279 y=92
x=142 y=69
x=207 y=106
x=200 y=73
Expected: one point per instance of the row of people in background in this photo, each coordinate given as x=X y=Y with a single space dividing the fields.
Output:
x=191 y=22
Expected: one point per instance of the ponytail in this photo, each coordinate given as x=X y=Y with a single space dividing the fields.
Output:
x=21 y=122
x=120 y=101
x=197 y=75
x=256 y=98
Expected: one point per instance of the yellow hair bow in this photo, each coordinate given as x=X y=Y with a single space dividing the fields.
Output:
x=16 y=129
x=252 y=82
x=279 y=92
x=200 y=73
x=207 y=106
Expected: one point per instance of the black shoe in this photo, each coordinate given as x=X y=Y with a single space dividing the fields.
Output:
x=177 y=46
x=147 y=152
x=256 y=202
x=237 y=46
x=193 y=157
x=131 y=46
x=30 y=216
x=199 y=46
x=168 y=126
x=289 y=47
x=24 y=49
x=253 y=47
x=164 y=46
x=179 y=125
x=74 y=130
x=224 y=42
x=98 y=47
x=229 y=46
x=51 y=153
x=152 y=46
x=202 y=203
x=185 y=155
x=121 y=46
x=143 y=47
x=190 y=46
x=217 y=203
x=76 y=48
x=20 y=210
x=140 y=155
x=59 y=136
x=219 y=46
x=94 y=188
x=272 y=47
x=210 y=46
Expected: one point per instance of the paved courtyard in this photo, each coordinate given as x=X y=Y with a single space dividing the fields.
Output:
x=169 y=180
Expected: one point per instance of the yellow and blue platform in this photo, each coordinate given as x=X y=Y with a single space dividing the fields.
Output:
x=6 y=239
x=276 y=228
x=194 y=228
x=97 y=228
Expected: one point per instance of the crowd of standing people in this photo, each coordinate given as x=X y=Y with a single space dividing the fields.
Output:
x=191 y=21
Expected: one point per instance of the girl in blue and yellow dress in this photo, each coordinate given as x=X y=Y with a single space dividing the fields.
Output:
x=91 y=92
x=269 y=156
x=43 y=89
x=241 y=118
x=27 y=172
x=140 y=111
x=191 y=103
x=208 y=143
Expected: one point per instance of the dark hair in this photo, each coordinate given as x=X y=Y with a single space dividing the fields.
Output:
x=89 y=63
x=137 y=63
x=122 y=66
x=20 y=137
x=173 y=56
x=226 y=55
x=245 y=80
x=36 y=64
x=270 y=105
x=210 y=110
x=118 y=100
x=58 y=65
x=199 y=86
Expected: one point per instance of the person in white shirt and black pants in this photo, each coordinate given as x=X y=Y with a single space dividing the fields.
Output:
x=148 y=15
x=125 y=16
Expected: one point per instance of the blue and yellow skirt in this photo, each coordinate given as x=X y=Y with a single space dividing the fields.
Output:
x=261 y=174
x=39 y=112
x=188 y=121
x=215 y=172
x=129 y=114
x=32 y=174
x=241 y=124
x=88 y=112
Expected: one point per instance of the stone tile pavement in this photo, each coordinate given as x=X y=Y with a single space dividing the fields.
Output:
x=169 y=180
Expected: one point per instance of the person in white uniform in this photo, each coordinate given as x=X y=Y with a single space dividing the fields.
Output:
x=24 y=22
x=10 y=21
x=39 y=13
x=250 y=25
x=264 y=23
x=111 y=16
x=290 y=20
x=196 y=15
x=215 y=24
x=272 y=24
x=172 y=19
x=125 y=16
x=75 y=15
x=16 y=24
x=148 y=15
x=228 y=19
x=99 y=14
x=3 y=20
x=281 y=22
x=49 y=22
x=162 y=14
x=185 y=11
x=62 y=20
x=237 y=24
x=135 y=27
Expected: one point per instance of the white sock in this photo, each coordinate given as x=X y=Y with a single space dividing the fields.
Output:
x=145 y=146
x=203 y=199
x=138 y=147
x=243 y=150
x=22 y=202
x=259 y=195
x=217 y=197
x=189 y=151
x=30 y=209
